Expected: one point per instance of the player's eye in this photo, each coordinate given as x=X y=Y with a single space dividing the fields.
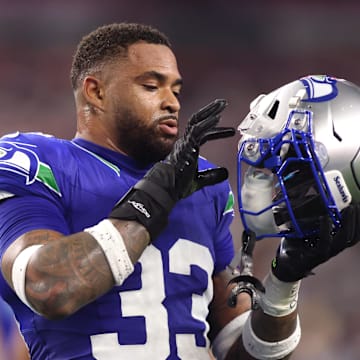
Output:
x=177 y=94
x=150 y=87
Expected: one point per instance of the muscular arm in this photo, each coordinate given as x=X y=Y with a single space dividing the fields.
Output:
x=267 y=328
x=220 y=312
x=68 y=272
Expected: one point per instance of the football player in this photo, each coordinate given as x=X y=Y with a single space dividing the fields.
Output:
x=115 y=245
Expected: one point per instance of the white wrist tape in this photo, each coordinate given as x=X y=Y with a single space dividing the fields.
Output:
x=228 y=335
x=114 y=249
x=280 y=297
x=264 y=350
x=18 y=272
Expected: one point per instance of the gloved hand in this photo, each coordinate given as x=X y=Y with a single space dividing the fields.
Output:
x=296 y=258
x=151 y=199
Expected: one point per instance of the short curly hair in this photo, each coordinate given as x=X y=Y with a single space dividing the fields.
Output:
x=108 y=42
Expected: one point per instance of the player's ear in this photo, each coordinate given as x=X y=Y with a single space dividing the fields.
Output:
x=93 y=91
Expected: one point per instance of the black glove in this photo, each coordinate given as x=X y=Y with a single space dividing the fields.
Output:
x=296 y=258
x=151 y=199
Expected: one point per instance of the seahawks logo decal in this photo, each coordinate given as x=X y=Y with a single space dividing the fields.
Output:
x=22 y=160
x=320 y=88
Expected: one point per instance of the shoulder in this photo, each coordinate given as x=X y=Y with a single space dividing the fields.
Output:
x=31 y=138
x=31 y=144
x=27 y=152
x=221 y=187
x=31 y=149
x=221 y=193
x=205 y=163
x=30 y=158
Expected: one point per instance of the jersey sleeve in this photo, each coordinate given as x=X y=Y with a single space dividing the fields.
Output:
x=24 y=166
x=223 y=198
x=224 y=244
x=30 y=197
x=21 y=214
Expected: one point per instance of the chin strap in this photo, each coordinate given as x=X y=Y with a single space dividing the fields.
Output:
x=242 y=267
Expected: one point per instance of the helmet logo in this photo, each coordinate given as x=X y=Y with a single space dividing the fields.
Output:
x=338 y=188
x=341 y=189
x=320 y=88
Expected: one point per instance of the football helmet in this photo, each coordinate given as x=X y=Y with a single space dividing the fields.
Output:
x=298 y=157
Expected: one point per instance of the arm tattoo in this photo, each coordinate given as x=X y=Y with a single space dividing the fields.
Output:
x=69 y=272
x=135 y=236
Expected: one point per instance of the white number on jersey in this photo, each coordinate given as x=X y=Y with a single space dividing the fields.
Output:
x=135 y=303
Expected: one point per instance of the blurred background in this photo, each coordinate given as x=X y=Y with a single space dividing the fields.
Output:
x=228 y=49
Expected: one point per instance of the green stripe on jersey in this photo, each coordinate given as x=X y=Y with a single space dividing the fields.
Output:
x=46 y=176
x=230 y=203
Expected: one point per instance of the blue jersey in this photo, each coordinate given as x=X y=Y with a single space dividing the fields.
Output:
x=7 y=329
x=160 y=311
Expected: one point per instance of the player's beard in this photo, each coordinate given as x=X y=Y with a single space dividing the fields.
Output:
x=143 y=142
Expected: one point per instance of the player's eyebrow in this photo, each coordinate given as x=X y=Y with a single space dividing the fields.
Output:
x=158 y=76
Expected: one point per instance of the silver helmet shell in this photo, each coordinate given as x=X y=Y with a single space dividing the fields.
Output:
x=305 y=134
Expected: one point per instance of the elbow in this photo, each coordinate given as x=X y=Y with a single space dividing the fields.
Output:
x=54 y=304
x=51 y=313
